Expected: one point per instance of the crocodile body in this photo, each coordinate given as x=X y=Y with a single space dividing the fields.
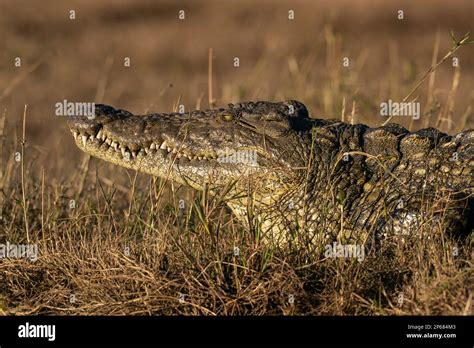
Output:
x=295 y=177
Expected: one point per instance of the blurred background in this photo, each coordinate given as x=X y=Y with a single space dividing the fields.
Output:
x=84 y=59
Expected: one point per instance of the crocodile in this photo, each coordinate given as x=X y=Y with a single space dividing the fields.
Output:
x=294 y=178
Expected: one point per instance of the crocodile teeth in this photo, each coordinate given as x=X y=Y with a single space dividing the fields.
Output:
x=84 y=140
x=153 y=146
x=99 y=134
x=168 y=149
x=163 y=145
x=75 y=134
x=108 y=141
x=123 y=151
x=114 y=145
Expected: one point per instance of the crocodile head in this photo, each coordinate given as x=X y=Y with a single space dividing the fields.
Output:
x=255 y=147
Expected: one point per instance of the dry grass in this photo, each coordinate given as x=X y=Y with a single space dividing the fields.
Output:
x=127 y=247
x=118 y=254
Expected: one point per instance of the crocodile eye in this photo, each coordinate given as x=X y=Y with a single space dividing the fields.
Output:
x=228 y=117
